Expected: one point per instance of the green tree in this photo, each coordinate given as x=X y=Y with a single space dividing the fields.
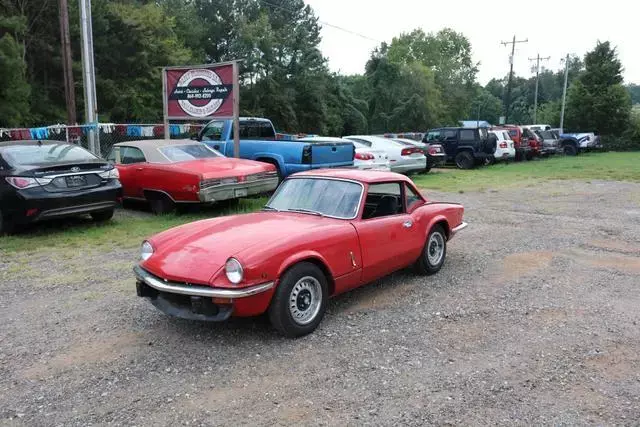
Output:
x=132 y=42
x=448 y=54
x=598 y=101
x=634 y=92
x=486 y=106
x=14 y=87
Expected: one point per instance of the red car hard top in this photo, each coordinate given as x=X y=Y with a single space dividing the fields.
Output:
x=368 y=177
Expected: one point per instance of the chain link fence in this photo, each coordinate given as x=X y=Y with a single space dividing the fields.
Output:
x=105 y=135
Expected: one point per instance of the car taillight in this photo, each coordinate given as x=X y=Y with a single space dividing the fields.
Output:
x=364 y=156
x=410 y=151
x=436 y=149
x=503 y=145
x=21 y=183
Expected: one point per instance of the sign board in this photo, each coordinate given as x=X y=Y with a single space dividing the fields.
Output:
x=201 y=92
x=501 y=120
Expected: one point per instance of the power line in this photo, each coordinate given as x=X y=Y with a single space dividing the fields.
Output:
x=325 y=23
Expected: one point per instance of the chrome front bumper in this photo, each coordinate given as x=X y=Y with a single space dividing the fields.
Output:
x=458 y=228
x=198 y=290
x=238 y=189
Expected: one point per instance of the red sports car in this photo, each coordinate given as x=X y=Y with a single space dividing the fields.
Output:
x=166 y=172
x=323 y=232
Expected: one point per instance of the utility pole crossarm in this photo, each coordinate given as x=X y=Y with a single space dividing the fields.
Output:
x=507 y=103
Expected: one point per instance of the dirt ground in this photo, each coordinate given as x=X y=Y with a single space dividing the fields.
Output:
x=532 y=320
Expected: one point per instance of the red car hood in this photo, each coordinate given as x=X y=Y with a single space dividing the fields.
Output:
x=220 y=167
x=195 y=252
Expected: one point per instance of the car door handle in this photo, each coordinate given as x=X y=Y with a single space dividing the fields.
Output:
x=138 y=169
x=407 y=224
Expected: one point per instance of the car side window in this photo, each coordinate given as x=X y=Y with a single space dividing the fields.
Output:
x=467 y=135
x=412 y=199
x=213 y=131
x=434 y=135
x=383 y=200
x=130 y=155
x=256 y=130
x=450 y=135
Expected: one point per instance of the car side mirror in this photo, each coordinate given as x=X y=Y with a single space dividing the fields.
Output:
x=195 y=137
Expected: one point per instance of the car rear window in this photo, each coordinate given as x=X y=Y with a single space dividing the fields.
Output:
x=184 y=153
x=23 y=155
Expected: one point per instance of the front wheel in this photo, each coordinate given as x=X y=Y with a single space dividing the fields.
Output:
x=102 y=216
x=5 y=226
x=570 y=150
x=434 y=252
x=300 y=300
x=161 y=205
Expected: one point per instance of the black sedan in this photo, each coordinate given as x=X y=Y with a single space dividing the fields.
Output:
x=51 y=179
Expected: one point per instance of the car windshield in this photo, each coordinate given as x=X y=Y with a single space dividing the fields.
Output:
x=22 y=155
x=318 y=196
x=184 y=153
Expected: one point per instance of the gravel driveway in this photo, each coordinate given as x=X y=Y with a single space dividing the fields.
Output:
x=532 y=320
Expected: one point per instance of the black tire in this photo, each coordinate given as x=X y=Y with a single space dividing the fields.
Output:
x=427 y=170
x=161 y=204
x=426 y=264
x=464 y=160
x=298 y=290
x=102 y=216
x=6 y=227
x=570 y=150
x=529 y=155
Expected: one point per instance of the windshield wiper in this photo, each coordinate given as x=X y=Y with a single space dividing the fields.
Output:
x=305 y=211
x=269 y=208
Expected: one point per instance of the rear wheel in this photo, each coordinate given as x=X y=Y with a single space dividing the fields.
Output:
x=161 y=204
x=300 y=300
x=464 y=160
x=102 y=216
x=434 y=252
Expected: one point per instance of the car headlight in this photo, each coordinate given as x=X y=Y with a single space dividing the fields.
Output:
x=234 y=271
x=146 y=250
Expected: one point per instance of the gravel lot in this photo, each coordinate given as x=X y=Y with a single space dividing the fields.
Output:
x=533 y=320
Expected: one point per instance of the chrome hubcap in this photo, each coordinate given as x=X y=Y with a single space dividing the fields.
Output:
x=435 y=248
x=304 y=300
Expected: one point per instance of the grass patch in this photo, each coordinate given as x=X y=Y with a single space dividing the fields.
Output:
x=125 y=230
x=589 y=166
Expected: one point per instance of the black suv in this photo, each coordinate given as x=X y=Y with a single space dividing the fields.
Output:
x=465 y=147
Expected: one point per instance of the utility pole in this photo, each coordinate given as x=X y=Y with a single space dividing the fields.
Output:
x=507 y=102
x=67 y=70
x=89 y=76
x=564 y=92
x=535 y=101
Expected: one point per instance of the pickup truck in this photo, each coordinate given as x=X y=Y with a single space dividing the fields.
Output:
x=258 y=142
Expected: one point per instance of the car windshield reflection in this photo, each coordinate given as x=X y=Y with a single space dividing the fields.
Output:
x=317 y=196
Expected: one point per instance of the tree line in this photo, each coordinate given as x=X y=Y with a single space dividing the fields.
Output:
x=417 y=81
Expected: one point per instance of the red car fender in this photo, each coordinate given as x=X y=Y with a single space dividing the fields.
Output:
x=301 y=256
x=436 y=219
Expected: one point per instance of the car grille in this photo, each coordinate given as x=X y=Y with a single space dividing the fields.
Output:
x=208 y=183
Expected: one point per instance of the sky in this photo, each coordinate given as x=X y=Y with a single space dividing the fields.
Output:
x=552 y=27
